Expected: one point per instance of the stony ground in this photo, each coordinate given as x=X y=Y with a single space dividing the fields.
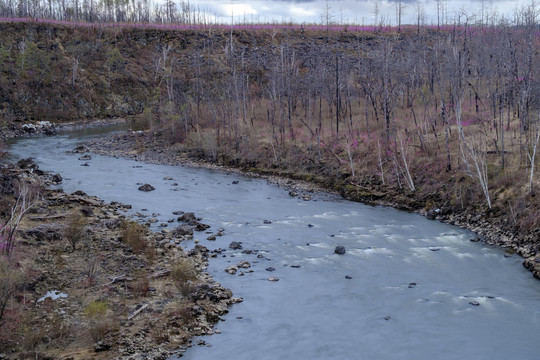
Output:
x=117 y=291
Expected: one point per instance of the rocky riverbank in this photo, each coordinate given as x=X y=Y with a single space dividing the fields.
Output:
x=47 y=128
x=91 y=283
x=492 y=227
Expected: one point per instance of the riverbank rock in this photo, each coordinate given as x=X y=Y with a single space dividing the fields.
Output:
x=340 y=250
x=146 y=188
x=431 y=214
x=80 y=149
x=85 y=157
x=182 y=230
x=27 y=163
x=56 y=178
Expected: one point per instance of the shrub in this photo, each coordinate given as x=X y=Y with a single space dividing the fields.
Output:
x=133 y=234
x=99 y=324
x=184 y=274
x=96 y=309
x=141 y=284
x=11 y=279
x=75 y=230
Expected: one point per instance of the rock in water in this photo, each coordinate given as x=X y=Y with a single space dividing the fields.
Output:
x=340 y=250
x=57 y=178
x=146 y=187
x=182 y=230
x=235 y=245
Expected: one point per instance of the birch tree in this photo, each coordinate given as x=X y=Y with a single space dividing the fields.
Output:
x=474 y=155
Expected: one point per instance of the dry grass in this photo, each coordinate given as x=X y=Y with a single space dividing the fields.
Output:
x=134 y=235
x=184 y=274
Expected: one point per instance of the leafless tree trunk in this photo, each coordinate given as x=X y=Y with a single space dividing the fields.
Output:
x=27 y=196
x=474 y=152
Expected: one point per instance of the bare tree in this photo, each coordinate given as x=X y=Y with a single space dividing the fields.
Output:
x=531 y=154
x=474 y=155
x=27 y=196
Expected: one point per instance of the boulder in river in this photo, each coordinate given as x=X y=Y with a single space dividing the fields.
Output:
x=146 y=187
x=235 y=245
x=80 y=149
x=340 y=250
x=85 y=157
x=189 y=218
x=56 y=178
x=182 y=230
x=244 y=264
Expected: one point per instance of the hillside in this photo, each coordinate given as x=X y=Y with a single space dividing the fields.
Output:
x=443 y=122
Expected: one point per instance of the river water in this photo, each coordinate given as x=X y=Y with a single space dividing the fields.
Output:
x=411 y=281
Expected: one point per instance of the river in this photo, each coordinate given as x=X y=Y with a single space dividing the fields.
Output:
x=415 y=288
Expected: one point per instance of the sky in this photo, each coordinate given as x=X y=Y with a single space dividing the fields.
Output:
x=361 y=12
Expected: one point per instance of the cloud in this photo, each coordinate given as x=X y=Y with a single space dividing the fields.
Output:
x=349 y=11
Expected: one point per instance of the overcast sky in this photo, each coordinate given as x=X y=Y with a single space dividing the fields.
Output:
x=347 y=11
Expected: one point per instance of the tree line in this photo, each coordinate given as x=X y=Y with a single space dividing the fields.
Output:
x=463 y=102
x=185 y=13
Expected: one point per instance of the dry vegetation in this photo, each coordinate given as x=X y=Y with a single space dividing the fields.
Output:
x=83 y=282
x=446 y=122
x=424 y=118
